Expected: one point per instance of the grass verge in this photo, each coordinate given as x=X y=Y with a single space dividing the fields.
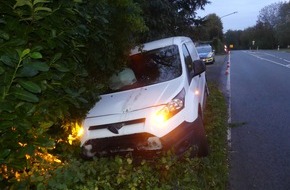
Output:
x=163 y=173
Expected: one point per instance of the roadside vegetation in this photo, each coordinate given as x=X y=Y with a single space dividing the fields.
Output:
x=127 y=172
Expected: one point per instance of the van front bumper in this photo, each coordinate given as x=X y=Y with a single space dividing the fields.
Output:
x=178 y=140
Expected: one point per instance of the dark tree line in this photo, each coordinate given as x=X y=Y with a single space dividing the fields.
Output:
x=271 y=30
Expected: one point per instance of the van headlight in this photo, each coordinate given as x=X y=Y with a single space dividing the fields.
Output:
x=171 y=108
x=80 y=131
x=77 y=132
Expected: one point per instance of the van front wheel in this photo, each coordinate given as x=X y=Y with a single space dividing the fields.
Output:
x=199 y=144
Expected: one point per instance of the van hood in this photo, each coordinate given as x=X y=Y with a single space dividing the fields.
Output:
x=136 y=99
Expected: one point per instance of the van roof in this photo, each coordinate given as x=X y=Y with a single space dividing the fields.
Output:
x=161 y=43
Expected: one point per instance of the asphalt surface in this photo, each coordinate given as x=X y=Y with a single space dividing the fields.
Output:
x=259 y=104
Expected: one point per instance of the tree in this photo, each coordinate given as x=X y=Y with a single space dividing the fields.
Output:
x=214 y=26
x=210 y=30
x=247 y=37
x=165 y=18
x=283 y=26
x=234 y=38
x=264 y=35
x=270 y=14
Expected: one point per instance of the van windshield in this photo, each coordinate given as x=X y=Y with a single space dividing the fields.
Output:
x=147 y=68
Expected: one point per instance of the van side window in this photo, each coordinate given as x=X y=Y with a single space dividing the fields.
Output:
x=187 y=59
x=192 y=51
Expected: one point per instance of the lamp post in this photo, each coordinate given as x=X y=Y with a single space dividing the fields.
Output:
x=229 y=14
x=226 y=16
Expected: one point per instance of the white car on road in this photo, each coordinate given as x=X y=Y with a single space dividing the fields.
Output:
x=156 y=103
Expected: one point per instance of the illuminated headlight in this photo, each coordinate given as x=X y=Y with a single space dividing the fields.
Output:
x=80 y=131
x=171 y=108
x=76 y=133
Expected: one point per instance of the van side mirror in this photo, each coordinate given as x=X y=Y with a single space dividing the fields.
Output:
x=199 y=67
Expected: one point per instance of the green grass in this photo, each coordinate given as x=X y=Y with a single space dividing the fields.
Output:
x=163 y=173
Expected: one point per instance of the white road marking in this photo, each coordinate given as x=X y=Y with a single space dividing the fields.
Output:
x=275 y=62
x=228 y=88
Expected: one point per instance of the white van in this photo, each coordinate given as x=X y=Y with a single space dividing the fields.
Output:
x=156 y=103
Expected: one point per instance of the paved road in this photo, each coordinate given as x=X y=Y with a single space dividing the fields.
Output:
x=260 y=116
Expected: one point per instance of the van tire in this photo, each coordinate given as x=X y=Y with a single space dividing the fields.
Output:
x=200 y=144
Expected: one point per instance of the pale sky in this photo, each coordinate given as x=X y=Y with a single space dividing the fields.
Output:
x=246 y=16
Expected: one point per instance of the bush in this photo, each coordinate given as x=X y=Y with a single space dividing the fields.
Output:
x=55 y=58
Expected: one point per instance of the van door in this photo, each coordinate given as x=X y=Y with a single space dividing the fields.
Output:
x=192 y=99
x=201 y=81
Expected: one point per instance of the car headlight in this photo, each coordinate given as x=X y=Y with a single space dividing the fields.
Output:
x=171 y=108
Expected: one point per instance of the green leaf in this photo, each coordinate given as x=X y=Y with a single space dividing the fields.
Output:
x=30 y=86
x=20 y=3
x=40 y=1
x=27 y=72
x=15 y=42
x=25 y=95
x=6 y=125
x=8 y=116
x=2 y=21
x=61 y=68
x=56 y=57
x=37 y=9
x=4 y=153
x=7 y=61
x=36 y=55
x=6 y=106
x=1 y=70
x=31 y=110
x=82 y=100
x=32 y=69
x=37 y=48
x=40 y=66
x=4 y=35
x=46 y=125
x=25 y=52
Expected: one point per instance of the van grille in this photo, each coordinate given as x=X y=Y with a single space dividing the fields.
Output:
x=118 y=125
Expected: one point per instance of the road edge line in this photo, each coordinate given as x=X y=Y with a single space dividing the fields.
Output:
x=228 y=89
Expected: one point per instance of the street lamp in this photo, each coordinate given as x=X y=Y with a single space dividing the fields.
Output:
x=226 y=16
x=229 y=14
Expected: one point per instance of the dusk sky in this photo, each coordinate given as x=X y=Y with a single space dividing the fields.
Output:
x=246 y=16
